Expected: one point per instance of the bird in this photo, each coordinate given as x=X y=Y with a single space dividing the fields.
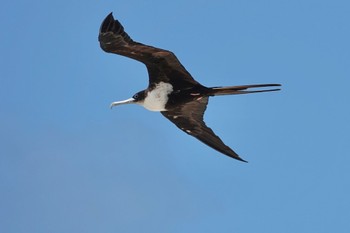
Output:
x=172 y=90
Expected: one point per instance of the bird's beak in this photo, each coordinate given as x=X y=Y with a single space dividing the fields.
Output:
x=128 y=101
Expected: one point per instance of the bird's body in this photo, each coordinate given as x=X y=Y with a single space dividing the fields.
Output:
x=171 y=90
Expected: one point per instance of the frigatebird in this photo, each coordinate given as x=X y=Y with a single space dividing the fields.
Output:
x=172 y=90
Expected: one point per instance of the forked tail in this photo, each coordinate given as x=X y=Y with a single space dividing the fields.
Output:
x=245 y=89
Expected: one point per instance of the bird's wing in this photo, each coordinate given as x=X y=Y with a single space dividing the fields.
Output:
x=162 y=65
x=189 y=118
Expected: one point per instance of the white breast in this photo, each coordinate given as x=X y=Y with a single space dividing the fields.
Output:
x=158 y=97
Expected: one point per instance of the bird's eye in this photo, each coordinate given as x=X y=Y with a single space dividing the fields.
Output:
x=136 y=96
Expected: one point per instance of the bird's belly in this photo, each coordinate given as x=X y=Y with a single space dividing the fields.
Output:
x=157 y=98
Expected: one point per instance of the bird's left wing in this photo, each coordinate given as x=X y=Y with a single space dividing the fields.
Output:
x=189 y=118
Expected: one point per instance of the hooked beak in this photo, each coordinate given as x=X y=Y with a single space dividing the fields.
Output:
x=128 y=101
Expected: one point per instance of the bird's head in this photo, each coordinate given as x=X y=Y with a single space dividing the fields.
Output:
x=138 y=98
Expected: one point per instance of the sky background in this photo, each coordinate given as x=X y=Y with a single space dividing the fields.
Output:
x=70 y=164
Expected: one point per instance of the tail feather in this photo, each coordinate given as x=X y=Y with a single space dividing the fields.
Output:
x=244 y=89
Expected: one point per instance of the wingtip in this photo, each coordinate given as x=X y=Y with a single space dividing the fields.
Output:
x=107 y=23
x=110 y=16
x=245 y=161
x=240 y=159
x=233 y=155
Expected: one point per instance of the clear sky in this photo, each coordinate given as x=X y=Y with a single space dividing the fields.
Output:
x=70 y=164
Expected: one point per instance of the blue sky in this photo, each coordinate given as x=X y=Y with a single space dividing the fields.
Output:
x=70 y=164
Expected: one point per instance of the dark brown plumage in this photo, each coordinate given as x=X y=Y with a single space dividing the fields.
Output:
x=171 y=90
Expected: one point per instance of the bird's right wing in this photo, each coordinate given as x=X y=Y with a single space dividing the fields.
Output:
x=162 y=64
x=189 y=118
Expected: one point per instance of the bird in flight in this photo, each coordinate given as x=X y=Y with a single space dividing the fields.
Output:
x=172 y=91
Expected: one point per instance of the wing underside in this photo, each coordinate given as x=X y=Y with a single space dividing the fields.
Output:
x=189 y=118
x=162 y=65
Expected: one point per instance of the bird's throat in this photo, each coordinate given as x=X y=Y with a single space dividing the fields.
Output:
x=157 y=98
